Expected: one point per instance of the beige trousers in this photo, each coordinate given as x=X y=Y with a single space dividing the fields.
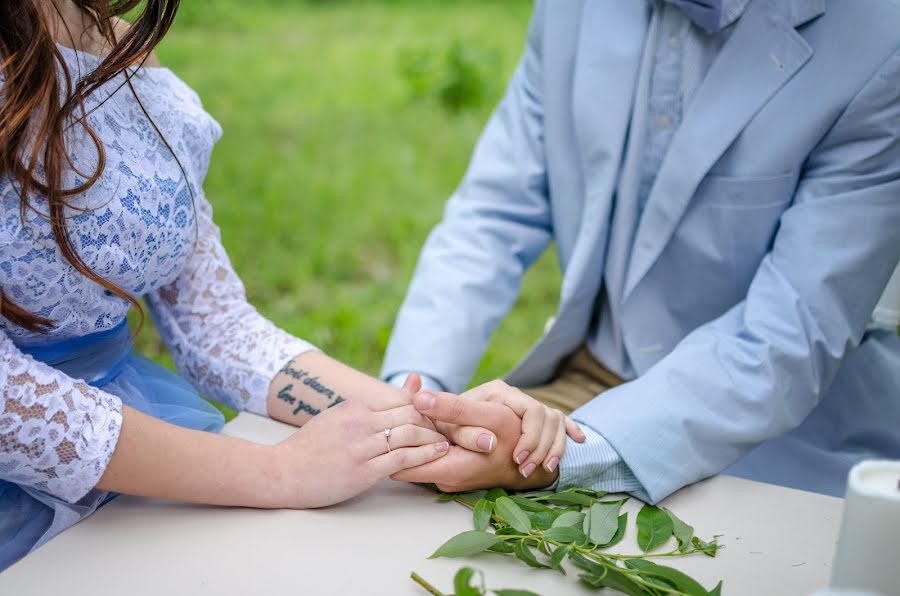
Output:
x=580 y=379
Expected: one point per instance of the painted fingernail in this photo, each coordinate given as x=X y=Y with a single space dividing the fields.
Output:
x=485 y=442
x=425 y=401
x=527 y=470
x=523 y=455
x=551 y=465
x=442 y=447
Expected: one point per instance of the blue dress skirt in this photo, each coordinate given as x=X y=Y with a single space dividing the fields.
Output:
x=29 y=517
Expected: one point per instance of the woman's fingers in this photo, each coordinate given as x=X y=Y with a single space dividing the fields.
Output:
x=399 y=416
x=557 y=448
x=552 y=424
x=407 y=435
x=575 y=431
x=473 y=438
x=407 y=457
x=532 y=428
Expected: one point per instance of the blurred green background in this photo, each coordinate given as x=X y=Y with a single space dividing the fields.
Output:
x=347 y=126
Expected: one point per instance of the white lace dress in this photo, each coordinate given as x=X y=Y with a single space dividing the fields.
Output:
x=142 y=229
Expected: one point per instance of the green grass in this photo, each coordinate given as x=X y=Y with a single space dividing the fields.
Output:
x=330 y=174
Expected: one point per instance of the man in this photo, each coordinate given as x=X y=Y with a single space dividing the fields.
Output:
x=722 y=182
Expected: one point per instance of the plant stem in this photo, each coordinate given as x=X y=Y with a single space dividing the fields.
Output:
x=428 y=587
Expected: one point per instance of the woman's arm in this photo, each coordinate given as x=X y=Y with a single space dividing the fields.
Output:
x=314 y=382
x=340 y=454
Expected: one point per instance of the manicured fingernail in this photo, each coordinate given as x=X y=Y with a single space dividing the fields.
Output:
x=485 y=442
x=551 y=465
x=425 y=401
x=527 y=470
x=523 y=455
x=442 y=447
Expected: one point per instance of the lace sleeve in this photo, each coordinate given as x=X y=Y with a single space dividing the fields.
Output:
x=219 y=341
x=57 y=434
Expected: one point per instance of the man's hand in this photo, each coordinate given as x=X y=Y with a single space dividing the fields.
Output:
x=462 y=469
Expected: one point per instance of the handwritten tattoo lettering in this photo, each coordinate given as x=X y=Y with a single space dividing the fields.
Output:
x=313 y=382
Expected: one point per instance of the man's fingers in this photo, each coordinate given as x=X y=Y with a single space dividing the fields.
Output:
x=413 y=383
x=454 y=409
x=473 y=438
x=407 y=457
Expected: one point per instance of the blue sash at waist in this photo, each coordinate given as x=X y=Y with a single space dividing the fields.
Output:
x=29 y=517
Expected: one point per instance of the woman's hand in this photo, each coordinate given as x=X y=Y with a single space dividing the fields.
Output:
x=544 y=429
x=463 y=470
x=344 y=451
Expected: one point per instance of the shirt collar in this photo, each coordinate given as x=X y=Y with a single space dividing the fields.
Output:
x=699 y=11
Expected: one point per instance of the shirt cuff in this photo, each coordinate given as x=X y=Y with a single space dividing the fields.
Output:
x=428 y=383
x=596 y=465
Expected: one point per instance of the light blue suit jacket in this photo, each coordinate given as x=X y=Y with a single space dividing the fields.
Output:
x=770 y=233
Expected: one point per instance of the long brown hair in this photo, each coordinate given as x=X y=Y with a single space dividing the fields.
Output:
x=33 y=118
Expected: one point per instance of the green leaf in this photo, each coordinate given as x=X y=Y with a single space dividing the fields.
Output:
x=536 y=493
x=597 y=494
x=559 y=556
x=717 y=591
x=524 y=554
x=654 y=527
x=571 y=499
x=473 y=496
x=542 y=520
x=466 y=544
x=565 y=534
x=620 y=532
x=502 y=547
x=514 y=593
x=602 y=522
x=618 y=580
x=445 y=497
x=678 y=580
x=495 y=493
x=707 y=548
x=569 y=518
x=529 y=505
x=512 y=514
x=462 y=583
x=481 y=514
x=683 y=532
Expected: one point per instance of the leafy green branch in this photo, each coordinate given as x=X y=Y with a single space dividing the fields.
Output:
x=545 y=528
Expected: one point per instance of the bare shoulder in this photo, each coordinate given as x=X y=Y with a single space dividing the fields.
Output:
x=121 y=27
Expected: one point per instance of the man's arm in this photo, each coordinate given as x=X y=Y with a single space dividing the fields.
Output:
x=758 y=370
x=495 y=226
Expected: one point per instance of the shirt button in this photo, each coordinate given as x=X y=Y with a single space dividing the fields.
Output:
x=674 y=42
x=663 y=122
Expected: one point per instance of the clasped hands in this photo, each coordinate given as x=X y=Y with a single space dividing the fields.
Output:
x=498 y=435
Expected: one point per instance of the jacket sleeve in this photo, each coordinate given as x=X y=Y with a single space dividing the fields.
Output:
x=495 y=226
x=757 y=371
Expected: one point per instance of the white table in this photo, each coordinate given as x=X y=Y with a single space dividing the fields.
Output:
x=778 y=541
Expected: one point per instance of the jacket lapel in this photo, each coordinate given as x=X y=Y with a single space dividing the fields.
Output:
x=608 y=56
x=610 y=43
x=763 y=53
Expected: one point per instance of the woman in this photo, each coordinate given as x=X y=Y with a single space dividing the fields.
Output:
x=102 y=159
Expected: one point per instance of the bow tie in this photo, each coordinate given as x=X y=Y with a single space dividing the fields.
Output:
x=709 y=15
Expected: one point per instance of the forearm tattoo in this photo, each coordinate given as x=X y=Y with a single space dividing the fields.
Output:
x=305 y=378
